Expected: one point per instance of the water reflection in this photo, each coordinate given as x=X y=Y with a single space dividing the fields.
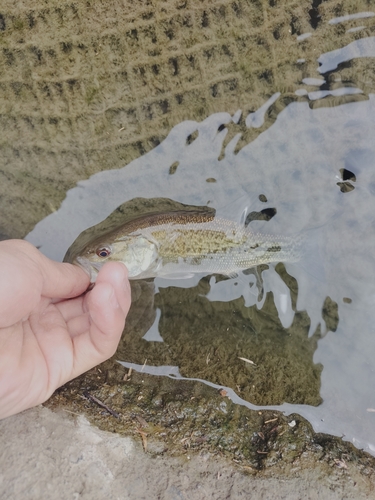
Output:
x=230 y=345
x=315 y=165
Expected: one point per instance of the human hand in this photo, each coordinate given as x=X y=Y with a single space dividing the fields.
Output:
x=49 y=332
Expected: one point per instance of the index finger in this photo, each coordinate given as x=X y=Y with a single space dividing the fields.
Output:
x=59 y=280
x=63 y=280
x=27 y=275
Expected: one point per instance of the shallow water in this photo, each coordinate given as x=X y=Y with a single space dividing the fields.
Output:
x=315 y=165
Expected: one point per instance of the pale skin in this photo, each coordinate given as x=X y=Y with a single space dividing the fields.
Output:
x=50 y=330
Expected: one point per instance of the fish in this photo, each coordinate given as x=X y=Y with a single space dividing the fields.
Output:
x=182 y=243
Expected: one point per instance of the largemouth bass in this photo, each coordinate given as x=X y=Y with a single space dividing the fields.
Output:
x=182 y=243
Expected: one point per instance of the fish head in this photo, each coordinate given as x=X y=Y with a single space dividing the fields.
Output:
x=139 y=254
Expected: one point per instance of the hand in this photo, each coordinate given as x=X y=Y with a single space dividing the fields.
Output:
x=49 y=332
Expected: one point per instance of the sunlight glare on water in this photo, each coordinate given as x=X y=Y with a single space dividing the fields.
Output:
x=302 y=164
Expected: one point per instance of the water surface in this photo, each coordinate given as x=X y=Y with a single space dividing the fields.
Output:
x=308 y=327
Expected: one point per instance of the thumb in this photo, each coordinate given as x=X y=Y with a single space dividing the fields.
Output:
x=107 y=304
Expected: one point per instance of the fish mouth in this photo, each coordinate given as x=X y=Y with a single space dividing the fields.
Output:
x=91 y=268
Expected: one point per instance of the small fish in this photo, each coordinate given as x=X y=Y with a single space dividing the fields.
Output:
x=181 y=243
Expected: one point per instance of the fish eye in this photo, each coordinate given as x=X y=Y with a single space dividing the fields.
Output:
x=103 y=252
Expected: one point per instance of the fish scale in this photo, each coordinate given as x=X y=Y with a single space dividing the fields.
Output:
x=185 y=243
x=220 y=246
